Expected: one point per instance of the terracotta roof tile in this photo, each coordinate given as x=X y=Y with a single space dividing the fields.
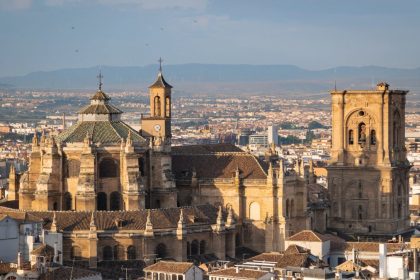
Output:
x=100 y=132
x=43 y=250
x=131 y=220
x=169 y=267
x=67 y=273
x=242 y=273
x=223 y=160
x=308 y=235
x=160 y=82
x=373 y=246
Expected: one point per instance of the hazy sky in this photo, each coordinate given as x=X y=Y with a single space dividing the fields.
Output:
x=313 y=34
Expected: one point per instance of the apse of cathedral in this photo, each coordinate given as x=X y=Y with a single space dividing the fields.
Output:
x=114 y=193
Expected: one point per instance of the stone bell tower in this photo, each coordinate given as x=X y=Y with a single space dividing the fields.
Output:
x=157 y=128
x=368 y=172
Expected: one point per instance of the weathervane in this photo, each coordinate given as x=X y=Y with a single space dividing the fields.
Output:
x=160 y=64
x=100 y=76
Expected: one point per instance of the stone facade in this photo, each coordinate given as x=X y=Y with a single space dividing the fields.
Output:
x=368 y=173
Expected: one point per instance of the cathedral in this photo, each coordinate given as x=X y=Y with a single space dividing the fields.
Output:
x=115 y=193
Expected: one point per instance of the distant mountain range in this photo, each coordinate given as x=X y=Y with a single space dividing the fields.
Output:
x=220 y=78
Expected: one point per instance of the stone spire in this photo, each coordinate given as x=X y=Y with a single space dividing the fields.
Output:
x=149 y=226
x=281 y=168
x=230 y=220
x=181 y=229
x=220 y=223
x=54 y=223
x=43 y=137
x=92 y=225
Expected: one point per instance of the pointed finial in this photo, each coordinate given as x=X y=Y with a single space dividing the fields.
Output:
x=230 y=221
x=54 y=223
x=92 y=221
x=160 y=64
x=181 y=217
x=148 y=231
x=100 y=76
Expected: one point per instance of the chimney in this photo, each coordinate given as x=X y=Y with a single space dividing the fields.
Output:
x=382 y=261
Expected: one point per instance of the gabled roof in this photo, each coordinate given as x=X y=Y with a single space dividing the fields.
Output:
x=295 y=249
x=160 y=82
x=169 y=267
x=348 y=266
x=308 y=235
x=100 y=132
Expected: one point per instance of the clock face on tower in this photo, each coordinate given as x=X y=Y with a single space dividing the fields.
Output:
x=157 y=127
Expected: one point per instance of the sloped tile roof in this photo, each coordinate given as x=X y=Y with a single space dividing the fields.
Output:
x=160 y=82
x=241 y=274
x=131 y=220
x=68 y=273
x=373 y=246
x=216 y=161
x=100 y=95
x=169 y=267
x=100 y=132
x=103 y=109
x=308 y=235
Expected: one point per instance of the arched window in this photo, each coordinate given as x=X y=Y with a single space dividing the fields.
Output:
x=107 y=253
x=131 y=253
x=67 y=201
x=157 y=106
x=141 y=166
x=287 y=208
x=351 y=137
x=360 y=189
x=76 y=253
x=108 y=168
x=362 y=133
x=101 y=202
x=168 y=106
x=72 y=168
x=202 y=247
x=115 y=201
x=118 y=252
x=254 y=211
x=160 y=251
x=195 y=248
x=373 y=137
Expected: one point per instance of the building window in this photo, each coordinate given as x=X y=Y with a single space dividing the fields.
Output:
x=67 y=201
x=399 y=210
x=131 y=253
x=157 y=105
x=351 y=137
x=373 y=137
x=76 y=253
x=360 y=212
x=115 y=201
x=161 y=251
x=108 y=168
x=55 y=206
x=195 y=250
x=101 y=201
x=202 y=247
x=107 y=253
x=287 y=208
x=254 y=211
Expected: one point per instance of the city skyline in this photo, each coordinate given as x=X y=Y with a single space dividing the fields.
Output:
x=55 y=34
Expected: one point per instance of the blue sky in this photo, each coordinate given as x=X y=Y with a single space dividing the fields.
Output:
x=313 y=34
